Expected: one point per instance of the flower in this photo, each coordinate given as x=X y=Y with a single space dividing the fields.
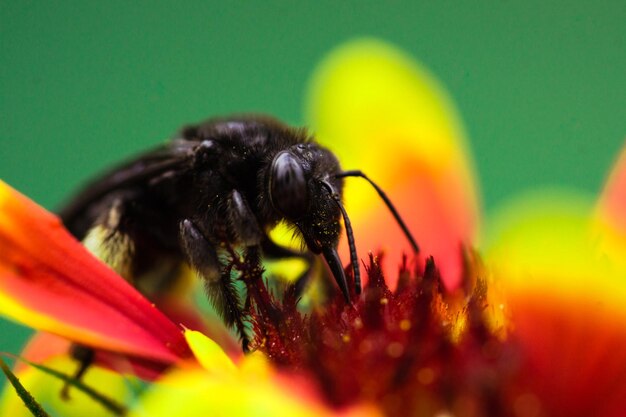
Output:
x=533 y=327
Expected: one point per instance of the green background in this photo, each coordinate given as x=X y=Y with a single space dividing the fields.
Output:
x=540 y=85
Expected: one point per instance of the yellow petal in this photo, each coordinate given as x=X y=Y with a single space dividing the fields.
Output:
x=195 y=393
x=383 y=113
x=548 y=235
x=222 y=389
x=209 y=354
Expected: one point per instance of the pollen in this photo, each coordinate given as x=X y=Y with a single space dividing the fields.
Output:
x=395 y=349
x=405 y=325
x=426 y=376
x=365 y=347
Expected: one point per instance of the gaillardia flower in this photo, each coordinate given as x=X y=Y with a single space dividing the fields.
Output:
x=533 y=324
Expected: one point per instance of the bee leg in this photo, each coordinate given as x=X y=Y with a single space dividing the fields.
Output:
x=272 y=250
x=242 y=222
x=85 y=356
x=221 y=291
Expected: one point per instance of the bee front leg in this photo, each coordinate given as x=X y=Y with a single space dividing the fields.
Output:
x=222 y=293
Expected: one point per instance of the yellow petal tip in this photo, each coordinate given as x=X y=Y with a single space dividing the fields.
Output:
x=209 y=354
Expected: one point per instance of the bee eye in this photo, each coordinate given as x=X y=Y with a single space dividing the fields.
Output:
x=287 y=186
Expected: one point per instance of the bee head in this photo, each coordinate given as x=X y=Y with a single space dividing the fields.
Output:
x=303 y=186
x=296 y=191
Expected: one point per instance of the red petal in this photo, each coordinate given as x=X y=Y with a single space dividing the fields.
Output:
x=49 y=281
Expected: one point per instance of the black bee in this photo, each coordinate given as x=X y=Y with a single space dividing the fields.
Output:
x=217 y=187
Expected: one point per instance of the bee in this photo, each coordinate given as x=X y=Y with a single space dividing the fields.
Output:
x=218 y=187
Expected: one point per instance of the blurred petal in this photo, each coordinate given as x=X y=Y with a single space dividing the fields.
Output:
x=383 y=113
x=180 y=309
x=610 y=215
x=253 y=388
x=568 y=307
x=43 y=347
x=47 y=391
x=209 y=354
x=195 y=393
x=49 y=281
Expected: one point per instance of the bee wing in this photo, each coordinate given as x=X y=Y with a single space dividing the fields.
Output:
x=137 y=172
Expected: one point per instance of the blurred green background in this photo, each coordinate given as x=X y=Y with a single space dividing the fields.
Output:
x=541 y=85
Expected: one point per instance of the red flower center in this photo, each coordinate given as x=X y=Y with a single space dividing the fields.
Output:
x=415 y=351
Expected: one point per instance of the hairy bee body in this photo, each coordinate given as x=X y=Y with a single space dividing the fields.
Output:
x=214 y=191
x=222 y=184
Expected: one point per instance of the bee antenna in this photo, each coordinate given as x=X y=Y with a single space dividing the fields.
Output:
x=390 y=206
x=346 y=221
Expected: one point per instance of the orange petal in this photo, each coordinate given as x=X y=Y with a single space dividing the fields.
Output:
x=610 y=215
x=49 y=281
x=612 y=203
x=383 y=113
x=574 y=356
x=42 y=347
